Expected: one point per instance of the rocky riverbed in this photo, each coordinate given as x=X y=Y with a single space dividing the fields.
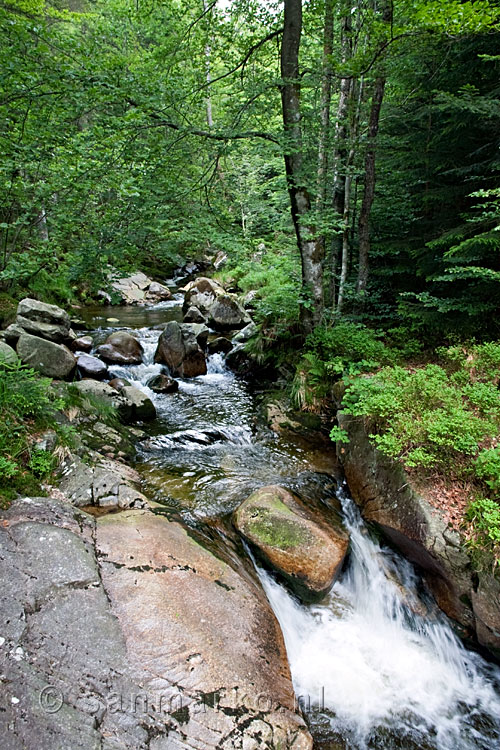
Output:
x=151 y=600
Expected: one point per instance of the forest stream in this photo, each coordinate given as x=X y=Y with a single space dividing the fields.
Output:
x=374 y=664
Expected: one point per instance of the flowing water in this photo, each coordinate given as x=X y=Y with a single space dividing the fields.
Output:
x=374 y=664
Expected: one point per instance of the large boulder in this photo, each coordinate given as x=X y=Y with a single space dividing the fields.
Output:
x=91 y=367
x=293 y=539
x=7 y=354
x=179 y=350
x=201 y=293
x=389 y=498
x=227 y=314
x=121 y=348
x=43 y=320
x=197 y=628
x=193 y=315
x=53 y=360
x=131 y=289
x=199 y=331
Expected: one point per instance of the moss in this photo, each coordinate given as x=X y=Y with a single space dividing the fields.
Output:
x=276 y=532
x=8 y=307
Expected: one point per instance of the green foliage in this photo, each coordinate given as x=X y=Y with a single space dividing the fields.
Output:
x=429 y=417
x=331 y=352
x=487 y=468
x=41 y=463
x=339 y=435
x=482 y=529
x=28 y=405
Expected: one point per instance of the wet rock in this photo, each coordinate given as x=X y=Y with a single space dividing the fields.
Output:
x=293 y=539
x=227 y=314
x=179 y=350
x=53 y=360
x=199 y=331
x=91 y=367
x=163 y=384
x=237 y=359
x=157 y=292
x=193 y=315
x=143 y=409
x=208 y=635
x=121 y=348
x=118 y=383
x=82 y=344
x=40 y=319
x=220 y=345
x=486 y=608
x=7 y=354
x=245 y=334
x=78 y=324
x=388 y=498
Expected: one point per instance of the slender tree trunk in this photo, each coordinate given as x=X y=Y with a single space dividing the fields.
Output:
x=310 y=247
x=369 y=191
x=326 y=96
x=340 y=150
x=345 y=236
x=370 y=173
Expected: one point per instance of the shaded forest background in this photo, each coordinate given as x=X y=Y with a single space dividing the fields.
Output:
x=142 y=133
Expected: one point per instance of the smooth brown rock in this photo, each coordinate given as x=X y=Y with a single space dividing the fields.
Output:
x=121 y=348
x=82 y=344
x=91 y=367
x=293 y=539
x=194 y=626
x=179 y=350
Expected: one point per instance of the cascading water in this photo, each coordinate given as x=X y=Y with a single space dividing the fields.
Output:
x=381 y=674
x=376 y=667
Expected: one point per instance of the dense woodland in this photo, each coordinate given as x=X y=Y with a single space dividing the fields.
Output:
x=344 y=156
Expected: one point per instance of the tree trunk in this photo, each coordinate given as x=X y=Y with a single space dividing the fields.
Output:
x=310 y=247
x=370 y=174
x=369 y=192
x=326 y=96
x=340 y=151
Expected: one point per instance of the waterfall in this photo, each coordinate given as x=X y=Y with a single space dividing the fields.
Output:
x=371 y=662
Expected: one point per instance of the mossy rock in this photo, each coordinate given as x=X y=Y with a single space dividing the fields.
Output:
x=293 y=539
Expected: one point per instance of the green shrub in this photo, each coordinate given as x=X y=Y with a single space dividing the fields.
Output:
x=28 y=405
x=482 y=532
x=487 y=466
x=331 y=352
x=425 y=418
